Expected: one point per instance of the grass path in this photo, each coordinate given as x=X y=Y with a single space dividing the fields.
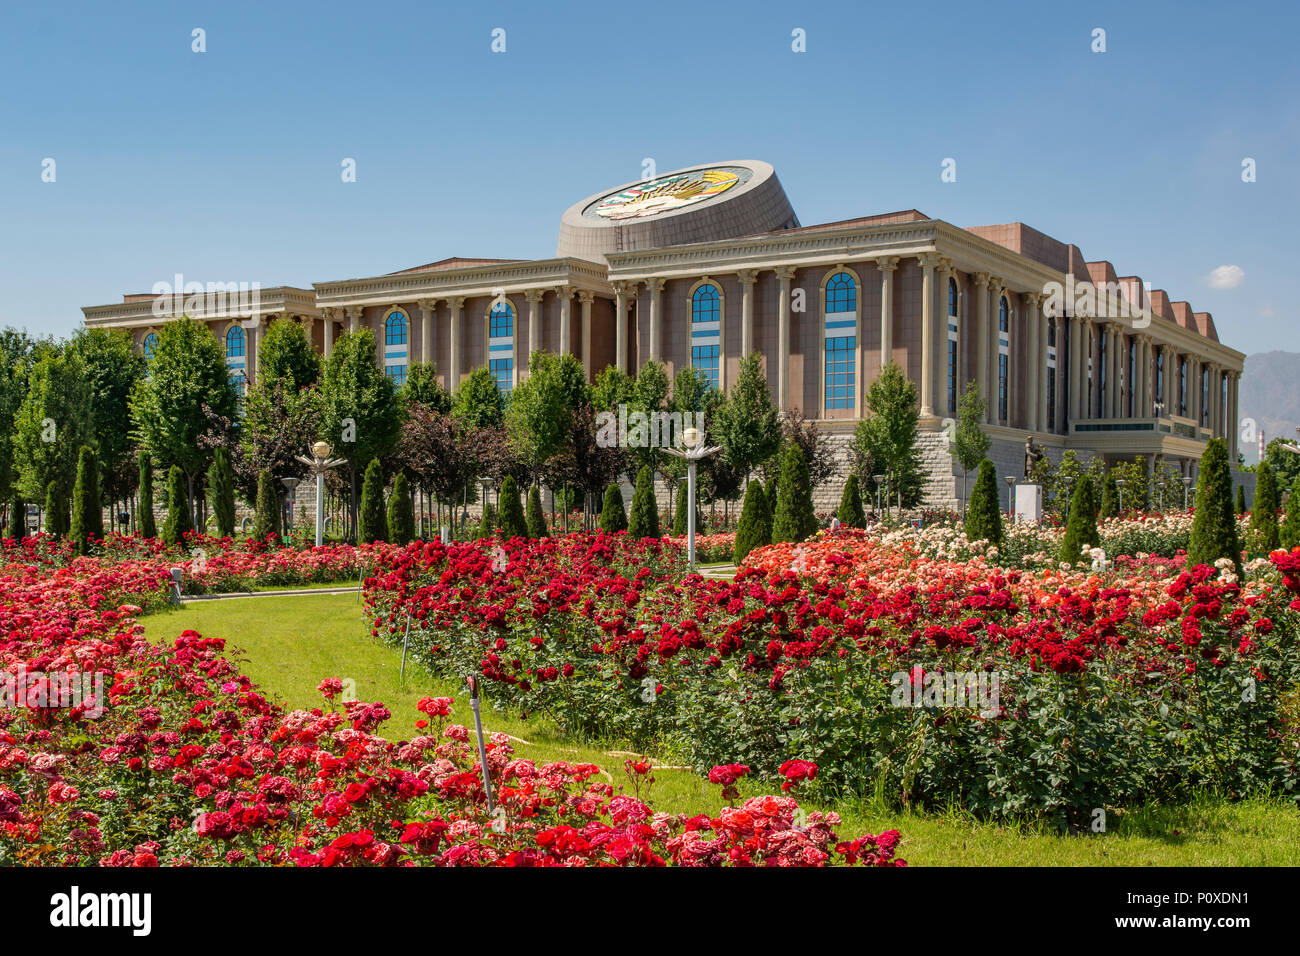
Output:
x=287 y=645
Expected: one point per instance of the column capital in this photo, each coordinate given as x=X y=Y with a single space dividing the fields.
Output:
x=785 y=273
x=930 y=259
x=563 y=292
x=353 y=311
x=945 y=265
x=456 y=303
x=997 y=285
x=747 y=276
x=428 y=305
x=586 y=297
x=982 y=280
x=534 y=296
x=655 y=285
x=625 y=289
x=887 y=264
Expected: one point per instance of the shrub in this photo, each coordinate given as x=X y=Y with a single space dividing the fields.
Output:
x=1241 y=499
x=17 y=519
x=266 y=518
x=1214 y=529
x=221 y=492
x=1081 y=529
x=850 y=511
x=401 y=514
x=55 y=511
x=1263 y=516
x=374 y=523
x=179 y=520
x=794 y=519
x=536 y=520
x=755 y=529
x=644 y=520
x=613 y=517
x=680 y=513
x=487 y=524
x=1290 y=532
x=984 y=510
x=1109 y=495
x=148 y=527
x=512 y=511
x=87 y=517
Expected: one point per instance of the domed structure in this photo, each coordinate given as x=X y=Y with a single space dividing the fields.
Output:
x=697 y=204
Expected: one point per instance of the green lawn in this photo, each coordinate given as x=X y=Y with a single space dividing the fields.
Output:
x=287 y=645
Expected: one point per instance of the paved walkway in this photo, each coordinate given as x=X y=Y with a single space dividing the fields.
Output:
x=191 y=598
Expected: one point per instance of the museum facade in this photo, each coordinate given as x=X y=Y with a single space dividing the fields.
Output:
x=701 y=266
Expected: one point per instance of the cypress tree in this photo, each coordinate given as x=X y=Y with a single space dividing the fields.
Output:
x=17 y=519
x=535 y=520
x=613 y=517
x=794 y=519
x=53 y=511
x=755 y=528
x=850 y=511
x=681 y=512
x=644 y=520
x=148 y=527
x=512 y=512
x=221 y=492
x=1241 y=499
x=401 y=514
x=1214 y=529
x=1290 y=533
x=179 y=520
x=488 y=522
x=1109 y=495
x=1263 y=516
x=984 y=509
x=267 y=512
x=1081 y=529
x=374 y=523
x=87 y=518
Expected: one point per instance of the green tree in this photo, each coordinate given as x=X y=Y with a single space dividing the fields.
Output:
x=984 y=510
x=535 y=520
x=513 y=524
x=539 y=417
x=286 y=355
x=1109 y=495
x=1214 y=529
x=970 y=446
x=1290 y=531
x=17 y=356
x=887 y=437
x=266 y=520
x=113 y=371
x=401 y=514
x=422 y=388
x=17 y=519
x=1285 y=464
x=179 y=519
x=748 y=428
x=360 y=414
x=52 y=423
x=1081 y=527
x=188 y=385
x=87 y=517
x=145 y=520
x=374 y=523
x=644 y=520
x=755 y=528
x=56 y=511
x=850 y=511
x=613 y=517
x=1264 y=533
x=221 y=492
x=478 y=402
x=613 y=387
x=795 y=519
x=1241 y=499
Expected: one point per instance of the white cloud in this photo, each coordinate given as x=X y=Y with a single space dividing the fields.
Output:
x=1226 y=277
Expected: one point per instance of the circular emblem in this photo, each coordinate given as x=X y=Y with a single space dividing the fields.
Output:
x=665 y=194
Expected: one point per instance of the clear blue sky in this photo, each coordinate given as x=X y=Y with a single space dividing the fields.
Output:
x=225 y=165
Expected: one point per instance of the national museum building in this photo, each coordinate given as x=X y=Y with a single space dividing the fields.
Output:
x=703 y=265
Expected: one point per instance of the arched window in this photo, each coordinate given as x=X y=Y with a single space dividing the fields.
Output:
x=1004 y=357
x=1004 y=315
x=704 y=304
x=235 y=342
x=1051 y=331
x=150 y=345
x=395 y=329
x=841 y=293
x=501 y=321
x=952 y=296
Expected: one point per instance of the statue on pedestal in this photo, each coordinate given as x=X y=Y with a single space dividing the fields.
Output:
x=1033 y=455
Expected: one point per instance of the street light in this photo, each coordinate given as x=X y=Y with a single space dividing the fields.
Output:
x=1119 y=486
x=1187 y=486
x=1011 y=481
x=289 y=485
x=319 y=463
x=693 y=439
x=877 y=479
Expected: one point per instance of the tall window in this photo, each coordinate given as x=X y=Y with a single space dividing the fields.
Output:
x=953 y=357
x=706 y=332
x=952 y=297
x=503 y=370
x=841 y=294
x=704 y=358
x=1223 y=404
x=1182 y=387
x=1131 y=379
x=1103 y=372
x=1205 y=397
x=1160 y=377
x=150 y=345
x=395 y=348
x=1051 y=374
x=841 y=355
x=1004 y=355
x=235 y=342
x=501 y=321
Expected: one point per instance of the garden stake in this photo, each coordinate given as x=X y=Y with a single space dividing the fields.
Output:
x=482 y=750
x=405 y=635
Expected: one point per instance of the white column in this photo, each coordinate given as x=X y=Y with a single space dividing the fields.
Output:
x=927 y=262
x=354 y=313
x=982 y=341
x=1233 y=431
x=941 y=320
x=620 y=326
x=254 y=334
x=426 y=329
x=784 y=274
x=1076 y=368
x=327 y=342
x=747 y=278
x=565 y=294
x=886 y=265
x=1037 y=360
x=585 y=298
x=534 y=297
x=457 y=319
x=656 y=287
x=993 y=344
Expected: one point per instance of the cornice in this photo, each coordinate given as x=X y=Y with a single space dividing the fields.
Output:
x=512 y=278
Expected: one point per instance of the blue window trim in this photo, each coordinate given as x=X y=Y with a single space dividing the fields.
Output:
x=395 y=329
x=841 y=294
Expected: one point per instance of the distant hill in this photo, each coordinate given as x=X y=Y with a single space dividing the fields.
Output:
x=1270 y=394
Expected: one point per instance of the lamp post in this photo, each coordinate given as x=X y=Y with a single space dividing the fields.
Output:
x=289 y=485
x=1119 y=487
x=877 y=479
x=1011 y=483
x=694 y=450
x=1187 y=487
x=319 y=463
